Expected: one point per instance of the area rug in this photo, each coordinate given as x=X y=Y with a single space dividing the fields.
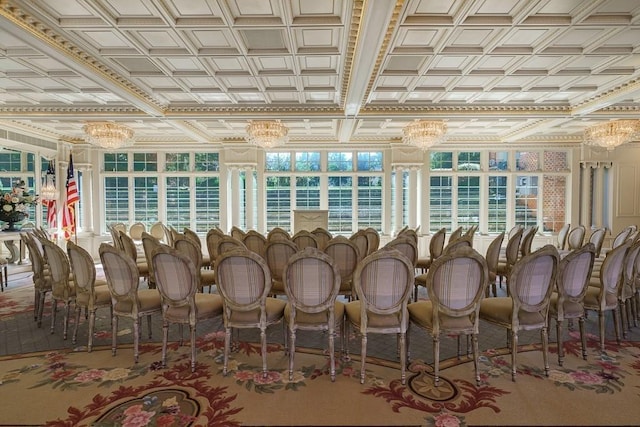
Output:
x=66 y=388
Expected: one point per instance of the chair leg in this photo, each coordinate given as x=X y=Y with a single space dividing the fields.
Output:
x=54 y=305
x=74 y=337
x=601 y=327
x=92 y=325
x=436 y=360
x=41 y=308
x=474 y=340
x=263 y=341
x=583 y=338
x=363 y=356
x=560 y=344
x=514 y=351
x=36 y=304
x=149 y=325
x=136 y=339
x=193 y=347
x=292 y=349
x=545 y=349
x=227 y=345
x=65 y=327
x=165 y=338
x=623 y=317
x=114 y=333
x=616 y=324
x=332 y=351
x=403 y=357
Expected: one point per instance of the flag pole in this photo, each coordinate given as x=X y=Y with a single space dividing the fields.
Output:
x=75 y=223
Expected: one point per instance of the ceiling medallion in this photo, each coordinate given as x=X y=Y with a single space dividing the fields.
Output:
x=266 y=133
x=610 y=135
x=108 y=135
x=424 y=134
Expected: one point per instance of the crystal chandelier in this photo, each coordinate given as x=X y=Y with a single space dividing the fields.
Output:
x=266 y=134
x=108 y=135
x=424 y=133
x=48 y=190
x=612 y=134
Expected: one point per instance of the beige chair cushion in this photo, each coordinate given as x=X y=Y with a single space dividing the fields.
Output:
x=499 y=310
x=274 y=308
x=303 y=318
x=421 y=313
x=207 y=305
x=571 y=309
x=101 y=296
x=375 y=320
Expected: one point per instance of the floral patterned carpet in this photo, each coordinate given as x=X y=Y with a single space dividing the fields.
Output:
x=67 y=388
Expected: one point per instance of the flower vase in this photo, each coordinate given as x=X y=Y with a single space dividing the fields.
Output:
x=13 y=220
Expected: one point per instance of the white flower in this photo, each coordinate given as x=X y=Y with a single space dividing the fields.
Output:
x=7 y=208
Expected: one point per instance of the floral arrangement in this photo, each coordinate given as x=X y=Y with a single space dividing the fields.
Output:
x=14 y=205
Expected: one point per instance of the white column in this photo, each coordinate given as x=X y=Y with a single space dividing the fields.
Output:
x=599 y=194
x=412 y=203
x=585 y=192
x=249 y=209
x=235 y=197
x=398 y=206
x=86 y=198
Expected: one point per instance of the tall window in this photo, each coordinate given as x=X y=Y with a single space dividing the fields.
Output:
x=468 y=201
x=497 y=203
x=308 y=192
x=116 y=199
x=178 y=202
x=340 y=204
x=440 y=202
x=278 y=199
x=370 y=202
x=527 y=200
x=145 y=200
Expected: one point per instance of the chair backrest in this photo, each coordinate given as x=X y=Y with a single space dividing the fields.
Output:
x=119 y=226
x=83 y=267
x=576 y=237
x=157 y=231
x=244 y=281
x=513 y=246
x=237 y=232
x=59 y=268
x=622 y=236
x=304 y=239
x=597 y=238
x=383 y=282
x=460 y=242
x=436 y=244
x=228 y=243
x=277 y=254
x=255 y=241
x=213 y=237
x=115 y=237
x=629 y=271
x=128 y=245
x=345 y=254
x=359 y=238
x=323 y=235
x=611 y=275
x=122 y=277
x=406 y=246
x=136 y=230
x=149 y=243
x=311 y=281
x=562 y=236
x=193 y=236
x=38 y=262
x=471 y=232
x=177 y=280
x=373 y=240
x=513 y=231
x=278 y=233
x=532 y=280
x=527 y=240
x=169 y=234
x=456 y=282
x=455 y=235
x=187 y=247
x=574 y=272
x=408 y=232
x=493 y=255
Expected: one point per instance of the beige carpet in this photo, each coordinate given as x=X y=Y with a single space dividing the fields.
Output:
x=77 y=388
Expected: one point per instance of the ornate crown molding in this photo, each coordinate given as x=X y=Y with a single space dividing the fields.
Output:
x=354 y=31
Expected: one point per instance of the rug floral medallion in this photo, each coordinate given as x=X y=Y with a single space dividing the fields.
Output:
x=102 y=391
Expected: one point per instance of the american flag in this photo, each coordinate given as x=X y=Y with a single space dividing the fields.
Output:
x=68 y=213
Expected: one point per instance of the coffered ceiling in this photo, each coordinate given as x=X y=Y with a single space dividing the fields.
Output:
x=334 y=71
